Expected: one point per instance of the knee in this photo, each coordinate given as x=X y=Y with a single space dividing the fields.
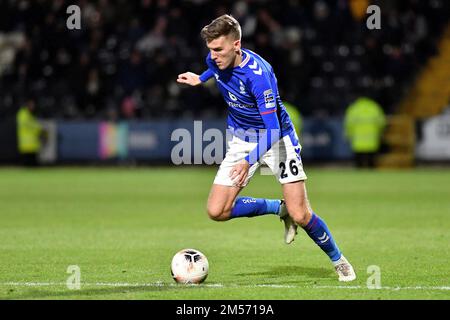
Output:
x=301 y=215
x=218 y=213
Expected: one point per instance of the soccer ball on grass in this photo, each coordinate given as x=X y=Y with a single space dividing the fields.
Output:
x=189 y=266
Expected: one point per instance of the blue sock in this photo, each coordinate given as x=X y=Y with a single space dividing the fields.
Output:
x=318 y=231
x=251 y=207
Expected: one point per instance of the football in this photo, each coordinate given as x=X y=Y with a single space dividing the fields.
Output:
x=189 y=266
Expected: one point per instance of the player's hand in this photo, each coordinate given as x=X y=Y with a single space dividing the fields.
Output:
x=189 y=78
x=239 y=173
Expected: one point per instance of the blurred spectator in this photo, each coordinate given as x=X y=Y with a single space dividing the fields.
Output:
x=364 y=124
x=132 y=75
x=29 y=134
x=129 y=107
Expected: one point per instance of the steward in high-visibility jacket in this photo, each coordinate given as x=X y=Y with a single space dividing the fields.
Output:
x=295 y=116
x=364 y=123
x=29 y=132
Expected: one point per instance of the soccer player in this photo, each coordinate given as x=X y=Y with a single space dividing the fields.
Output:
x=262 y=132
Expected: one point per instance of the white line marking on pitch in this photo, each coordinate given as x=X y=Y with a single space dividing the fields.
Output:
x=383 y=288
x=215 y=285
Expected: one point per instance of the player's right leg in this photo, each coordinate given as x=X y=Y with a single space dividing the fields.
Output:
x=290 y=227
x=220 y=201
x=223 y=202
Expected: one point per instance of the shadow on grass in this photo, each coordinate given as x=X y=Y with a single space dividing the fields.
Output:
x=91 y=293
x=289 y=271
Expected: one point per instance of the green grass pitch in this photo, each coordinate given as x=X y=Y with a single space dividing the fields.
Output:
x=121 y=227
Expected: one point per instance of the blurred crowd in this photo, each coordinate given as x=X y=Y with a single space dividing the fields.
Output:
x=124 y=61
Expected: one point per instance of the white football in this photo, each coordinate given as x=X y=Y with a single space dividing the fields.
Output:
x=189 y=266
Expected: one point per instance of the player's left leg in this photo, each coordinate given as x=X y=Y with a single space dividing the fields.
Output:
x=300 y=210
x=285 y=162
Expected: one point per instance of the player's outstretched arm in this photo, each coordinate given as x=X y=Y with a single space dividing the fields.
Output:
x=189 y=78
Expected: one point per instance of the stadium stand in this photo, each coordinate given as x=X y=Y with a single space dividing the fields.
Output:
x=124 y=61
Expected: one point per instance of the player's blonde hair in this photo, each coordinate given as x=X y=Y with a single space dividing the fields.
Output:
x=222 y=26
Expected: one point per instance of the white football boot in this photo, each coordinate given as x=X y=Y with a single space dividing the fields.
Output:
x=290 y=227
x=344 y=270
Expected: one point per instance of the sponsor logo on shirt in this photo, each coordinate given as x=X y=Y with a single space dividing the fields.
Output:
x=232 y=96
x=238 y=105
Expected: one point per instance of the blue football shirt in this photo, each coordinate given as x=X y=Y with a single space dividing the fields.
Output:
x=254 y=104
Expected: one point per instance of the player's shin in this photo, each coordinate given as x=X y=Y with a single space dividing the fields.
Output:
x=251 y=207
x=318 y=231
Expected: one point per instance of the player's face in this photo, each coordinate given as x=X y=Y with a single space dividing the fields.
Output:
x=224 y=51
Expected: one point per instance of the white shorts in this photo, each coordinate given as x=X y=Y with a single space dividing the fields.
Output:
x=283 y=159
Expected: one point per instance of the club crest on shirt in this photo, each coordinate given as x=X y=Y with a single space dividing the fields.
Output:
x=241 y=87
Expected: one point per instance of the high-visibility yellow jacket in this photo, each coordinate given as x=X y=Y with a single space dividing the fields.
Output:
x=28 y=131
x=295 y=116
x=364 y=124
